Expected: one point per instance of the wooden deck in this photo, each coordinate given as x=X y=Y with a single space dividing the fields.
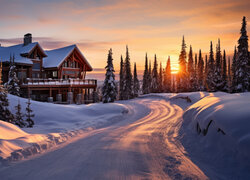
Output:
x=59 y=83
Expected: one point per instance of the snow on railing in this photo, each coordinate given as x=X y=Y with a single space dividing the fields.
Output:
x=37 y=81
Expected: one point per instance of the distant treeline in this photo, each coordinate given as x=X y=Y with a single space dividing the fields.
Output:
x=215 y=73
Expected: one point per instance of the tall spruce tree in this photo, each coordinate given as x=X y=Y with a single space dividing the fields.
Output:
x=136 y=85
x=217 y=69
x=121 y=84
x=29 y=115
x=149 y=78
x=109 y=89
x=195 y=81
x=205 y=73
x=242 y=61
x=191 y=70
x=200 y=72
x=12 y=85
x=210 y=84
x=224 y=73
x=233 y=69
x=229 y=75
x=167 y=77
x=160 y=79
x=128 y=83
x=145 y=83
x=155 y=81
x=19 y=116
x=182 y=74
x=5 y=113
x=174 y=81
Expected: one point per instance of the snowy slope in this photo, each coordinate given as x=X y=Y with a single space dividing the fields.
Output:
x=216 y=132
x=54 y=124
x=229 y=114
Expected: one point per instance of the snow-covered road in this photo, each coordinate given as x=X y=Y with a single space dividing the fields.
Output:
x=142 y=146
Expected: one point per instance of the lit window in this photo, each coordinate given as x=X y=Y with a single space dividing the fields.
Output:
x=54 y=73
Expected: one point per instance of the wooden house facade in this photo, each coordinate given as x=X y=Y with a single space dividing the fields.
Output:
x=56 y=75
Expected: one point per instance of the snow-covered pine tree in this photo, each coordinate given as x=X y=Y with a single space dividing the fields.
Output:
x=191 y=70
x=136 y=85
x=182 y=74
x=29 y=115
x=229 y=76
x=233 y=69
x=224 y=73
x=155 y=79
x=195 y=81
x=121 y=82
x=167 y=77
x=5 y=114
x=12 y=84
x=128 y=84
x=109 y=89
x=145 y=83
x=217 y=69
x=173 y=86
x=210 y=84
x=200 y=72
x=242 y=61
x=149 y=78
x=205 y=74
x=160 y=79
x=19 y=116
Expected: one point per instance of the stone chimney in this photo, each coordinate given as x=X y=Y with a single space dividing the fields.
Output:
x=27 y=39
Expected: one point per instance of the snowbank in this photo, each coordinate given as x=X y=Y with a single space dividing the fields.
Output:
x=217 y=130
x=54 y=124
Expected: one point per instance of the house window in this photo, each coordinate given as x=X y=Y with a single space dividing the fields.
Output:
x=36 y=65
x=35 y=75
x=54 y=74
x=21 y=75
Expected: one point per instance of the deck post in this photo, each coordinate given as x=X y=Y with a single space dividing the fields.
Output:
x=28 y=92
x=50 y=98
x=79 y=99
x=88 y=94
x=70 y=97
x=50 y=92
x=59 y=98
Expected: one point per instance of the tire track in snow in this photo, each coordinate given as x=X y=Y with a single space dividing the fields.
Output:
x=142 y=146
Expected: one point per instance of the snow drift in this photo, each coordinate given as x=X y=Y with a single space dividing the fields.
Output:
x=228 y=114
x=215 y=131
x=54 y=124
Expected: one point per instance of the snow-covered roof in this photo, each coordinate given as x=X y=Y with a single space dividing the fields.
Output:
x=57 y=56
x=54 y=57
x=18 y=51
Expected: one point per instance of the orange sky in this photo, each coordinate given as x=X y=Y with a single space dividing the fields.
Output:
x=155 y=26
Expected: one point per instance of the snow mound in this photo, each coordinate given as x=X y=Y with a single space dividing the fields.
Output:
x=54 y=124
x=224 y=120
x=10 y=131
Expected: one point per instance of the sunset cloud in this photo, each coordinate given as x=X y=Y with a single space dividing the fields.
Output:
x=149 y=26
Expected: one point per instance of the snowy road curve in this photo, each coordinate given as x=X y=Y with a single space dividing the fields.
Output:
x=142 y=146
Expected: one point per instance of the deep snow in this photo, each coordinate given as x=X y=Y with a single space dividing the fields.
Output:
x=192 y=148
x=54 y=124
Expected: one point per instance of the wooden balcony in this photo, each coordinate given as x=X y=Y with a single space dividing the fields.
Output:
x=57 y=83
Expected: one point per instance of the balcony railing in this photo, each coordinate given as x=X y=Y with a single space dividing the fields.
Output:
x=37 y=81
